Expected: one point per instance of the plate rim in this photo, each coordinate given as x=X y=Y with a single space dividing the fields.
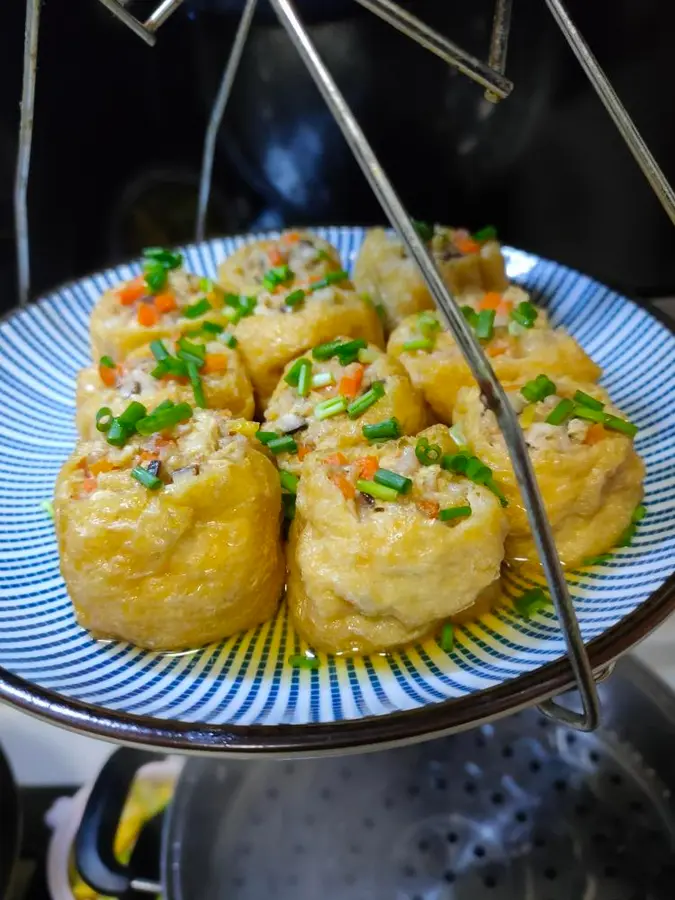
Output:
x=370 y=732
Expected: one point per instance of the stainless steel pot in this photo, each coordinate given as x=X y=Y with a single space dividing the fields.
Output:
x=521 y=808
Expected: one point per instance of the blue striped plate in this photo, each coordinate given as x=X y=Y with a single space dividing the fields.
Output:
x=242 y=695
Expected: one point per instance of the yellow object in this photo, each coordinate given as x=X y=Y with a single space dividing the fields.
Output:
x=385 y=271
x=227 y=390
x=368 y=576
x=401 y=400
x=590 y=490
x=178 y=567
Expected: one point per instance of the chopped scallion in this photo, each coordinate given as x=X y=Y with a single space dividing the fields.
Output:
x=454 y=512
x=330 y=278
x=388 y=429
x=393 y=480
x=525 y=314
x=326 y=409
x=470 y=315
x=586 y=400
x=418 y=344
x=288 y=504
x=614 y=423
x=489 y=233
x=457 y=435
x=195 y=310
x=424 y=230
x=282 y=444
x=378 y=491
x=212 y=327
x=447 y=638
x=266 y=436
x=168 y=259
x=531 y=602
x=158 y=420
x=276 y=276
x=597 y=560
x=326 y=351
x=289 y=481
x=428 y=324
x=107 y=362
x=189 y=352
x=538 y=389
x=322 y=379
x=485 y=324
x=197 y=385
x=118 y=434
x=48 y=507
x=295 y=298
x=638 y=514
x=300 y=661
x=158 y=350
x=427 y=453
x=590 y=415
x=626 y=538
x=104 y=418
x=132 y=414
x=228 y=339
x=561 y=412
x=357 y=407
x=304 y=378
x=155 y=276
x=206 y=285
x=291 y=377
x=367 y=355
x=147 y=479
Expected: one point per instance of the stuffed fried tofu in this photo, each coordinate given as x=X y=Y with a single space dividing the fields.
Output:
x=246 y=271
x=515 y=335
x=163 y=301
x=391 y=278
x=217 y=379
x=386 y=544
x=581 y=447
x=341 y=394
x=168 y=528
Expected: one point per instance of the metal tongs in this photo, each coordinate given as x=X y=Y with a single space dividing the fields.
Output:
x=497 y=87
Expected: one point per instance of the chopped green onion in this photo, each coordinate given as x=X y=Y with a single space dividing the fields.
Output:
x=367 y=355
x=304 y=378
x=165 y=404
x=463 y=463
x=277 y=275
x=525 y=314
x=170 y=366
x=531 y=602
x=590 y=415
x=330 y=278
x=323 y=255
x=470 y=315
x=346 y=351
x=323 y=352
x=147 y=479
x=626 y=538
x=294 y=298
x=206 y=285
x=381 y=312
x=322 y=379
x=326 y=409
x=118 y=434
x=454 y=512
x=424 y=230
x=561 y=412
x=477 y=471
x=427 y=453
x=195 y=310
x=282 y=444
x=291 y=377
x=191 y=353
x=586 y=400
x=393 y=480
x=378 y=491
x=489 y=233
x=447 y=638
x=485 y=324
x=231 y=300
x=155 y=276
x=457 y=435
x=132 y=414
x=538 y=389
x=158 y=350
x=107 y=362
x=614 y=423
x=228 y=339
x=597 y=560
x=197 y=386
x=266 y=436
x=288 y=503
x=456 y=462
x=246 y=306
x=104 y=418
x=289 y=481
x=298 y=661
x=427 y=324
x=212 y=327
x=516 y=330
x=158 y=420
x=365 y=401
x=48 y=508
x=388 y=429
x=638 y=514
x=166 y=258
x=492 y=485
x=419 y=344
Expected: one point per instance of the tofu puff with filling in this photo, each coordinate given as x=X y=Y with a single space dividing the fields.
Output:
x=324 y=403
x=289 y=320
x=384 y=270
x=131 y=315
x=515 y=335
x=306 y=255
x=581 y=447
x=143 y=377
x=189 y=555
x=383 y=549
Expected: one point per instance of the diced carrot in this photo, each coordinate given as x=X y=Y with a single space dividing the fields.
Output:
x=491 y=300
x=304 y=450
x=108 y=376
x=148 y=455
x=166 y=302
x=497 y=348
x=337 y=459
x=214 y=362
x=132 y=291
x=467 y=245
x=594 y=434
x=349 y=384
x=345 y=485
x=504 y=308
x=275 y=256
x=147 y=315
x=291 y=237
x=429 y=507
x=89 y=484
x=368 y=466
x=103 y=465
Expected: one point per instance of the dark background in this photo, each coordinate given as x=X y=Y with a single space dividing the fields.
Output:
x=119 y=132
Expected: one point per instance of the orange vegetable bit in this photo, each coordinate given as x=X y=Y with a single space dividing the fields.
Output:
x=345 y=485
x=594 y=434
x=429 y=508
x=214 y=362
x=103 y=465
x=350 y=383
x=108 y=376
x=275 y=256
x=368 y=466
x=291 y=237
x=337 y=459
x=89 y=484
x=148 y=315
x=304 y=450
x=467 y=245
x=132 y=291
x=166 y=302
x=497 y=348
x=491 y=300
x=504 y=308
x=148 y=455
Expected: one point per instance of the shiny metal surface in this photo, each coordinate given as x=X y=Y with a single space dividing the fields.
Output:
x=499 y=41
x=493 y=394
x=518 y=810
x=130 y=21
x=161 y=14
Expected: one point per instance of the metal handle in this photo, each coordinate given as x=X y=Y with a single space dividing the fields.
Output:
x=145 y=30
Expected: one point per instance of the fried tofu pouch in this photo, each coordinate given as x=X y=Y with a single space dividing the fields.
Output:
x=131 y=315
x=590 y=476
x=439 y=369
x=365 y=574
x=305 y=253
x=301 y=416
x=391 y=278
x=225 y=382
x=183 y=565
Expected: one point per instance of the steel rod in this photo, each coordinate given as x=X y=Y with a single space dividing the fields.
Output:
x=449 y=52
x=25 y=143
x=129 y=20
x=217 y=113
x=615 y=108
x=499 y=41
x=161 y=14
x=492 y=391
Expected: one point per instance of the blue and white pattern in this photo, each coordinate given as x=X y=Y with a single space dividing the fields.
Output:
x=247 y=679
